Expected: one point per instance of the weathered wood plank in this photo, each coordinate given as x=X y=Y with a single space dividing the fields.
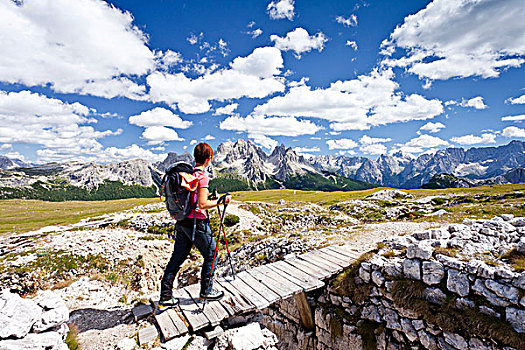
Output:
x=282 y=290
x=333 y=250
x=192 y=312
x=213 y=310
x=277 y=277
x=334 y=259
x=178 y=320
x=311 y=269
x=255 y=291
x=315 y=260
x=166 y=325
x=305 y=312
x=306 y=284
x=234 y=298
x=298 y=273
x=346 y=249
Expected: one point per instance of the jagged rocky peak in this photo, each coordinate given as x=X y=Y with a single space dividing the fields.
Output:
x=287 y=162
x=9 y=163
x=229 y=152
x=173 y=158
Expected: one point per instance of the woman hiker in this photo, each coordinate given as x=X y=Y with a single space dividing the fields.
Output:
x=204 y=241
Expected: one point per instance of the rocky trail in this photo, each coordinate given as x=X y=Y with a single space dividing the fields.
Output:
x=101 y=267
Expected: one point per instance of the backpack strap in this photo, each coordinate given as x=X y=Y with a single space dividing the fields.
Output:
x=195 y=211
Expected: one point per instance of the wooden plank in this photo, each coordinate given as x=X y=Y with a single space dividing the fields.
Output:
x=284 y=265
x=280 y=290
x=278 y=278
x=315 y=260
x=178 y=320
x=328 y=257
x=166 y=325
x=254 y=291
x=307 y=285
x=340 y=253
x=213 y=310
x=305 y=312
x=234 y=299
x=192 y=312
x=310 y=269
x=347 y=261
x=346 y=249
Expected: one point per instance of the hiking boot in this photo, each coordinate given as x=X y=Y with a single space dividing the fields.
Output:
x=166 y=304
x=213 y=294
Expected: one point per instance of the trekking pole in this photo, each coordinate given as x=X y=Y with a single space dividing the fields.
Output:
x=221 y=224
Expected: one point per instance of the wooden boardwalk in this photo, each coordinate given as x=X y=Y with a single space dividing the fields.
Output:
x=255 y=289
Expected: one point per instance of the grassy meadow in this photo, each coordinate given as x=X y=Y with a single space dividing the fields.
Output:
x=20 y=215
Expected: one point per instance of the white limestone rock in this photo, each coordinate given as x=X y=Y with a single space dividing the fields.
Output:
x=516 y=318
x=248 y=337
x=457 y=282
x=433 y=272
x=421 y=251
x=456 y=340
x=412 y=268
x=503 y=291
x=35 y=341
x=17 y=315
x=434 y=295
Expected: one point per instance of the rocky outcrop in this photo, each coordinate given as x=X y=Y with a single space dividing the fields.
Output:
x=38 y=323
x=455 y=287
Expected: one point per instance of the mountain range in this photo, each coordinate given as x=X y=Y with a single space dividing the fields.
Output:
x=242 y=165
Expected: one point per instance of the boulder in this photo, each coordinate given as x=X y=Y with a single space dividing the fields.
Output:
x=433 y=272
x=516 y=318
x=248 y=337
x=458 y=283
x=412 y=268
x=35 y=341
x=17 y=315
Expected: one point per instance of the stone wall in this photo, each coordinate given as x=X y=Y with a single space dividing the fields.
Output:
x=457 y=287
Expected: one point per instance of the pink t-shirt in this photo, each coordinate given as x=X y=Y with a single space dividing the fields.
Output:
x=203 y=183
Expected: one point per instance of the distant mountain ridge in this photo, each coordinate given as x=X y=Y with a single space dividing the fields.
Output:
x=404 y=171
x=242 y=165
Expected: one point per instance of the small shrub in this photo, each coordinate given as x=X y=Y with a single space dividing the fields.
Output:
x=72 y=338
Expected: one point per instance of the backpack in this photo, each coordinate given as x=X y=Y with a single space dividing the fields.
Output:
x=176 y=191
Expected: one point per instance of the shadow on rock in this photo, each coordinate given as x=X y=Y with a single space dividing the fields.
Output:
x=88 y=319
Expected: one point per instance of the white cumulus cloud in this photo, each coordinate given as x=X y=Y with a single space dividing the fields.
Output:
x=351 y=21
x=465 y=38
x=475 y=102
x=517 y=100
x=159 y=117
x=341 y=144
x=512 y=118
x=367 y=140
x=252 y=76
x=280 y=9
x=474 y=140
x=352 y=44
x=373 y=149
x=432 y=127
x=355 y=104
x=160 y=134
x=228 y=109
x=513 y=131
x=299 y=41
x=271 y=126
x=85 y=47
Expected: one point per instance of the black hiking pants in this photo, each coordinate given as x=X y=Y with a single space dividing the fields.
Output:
x=204 y=242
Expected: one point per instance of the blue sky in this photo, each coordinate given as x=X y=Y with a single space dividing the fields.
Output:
x=104 y=81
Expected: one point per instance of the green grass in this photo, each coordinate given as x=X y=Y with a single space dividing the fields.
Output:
x=19 y=215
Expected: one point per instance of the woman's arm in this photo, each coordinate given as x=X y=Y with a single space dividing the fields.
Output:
x=204 y=203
